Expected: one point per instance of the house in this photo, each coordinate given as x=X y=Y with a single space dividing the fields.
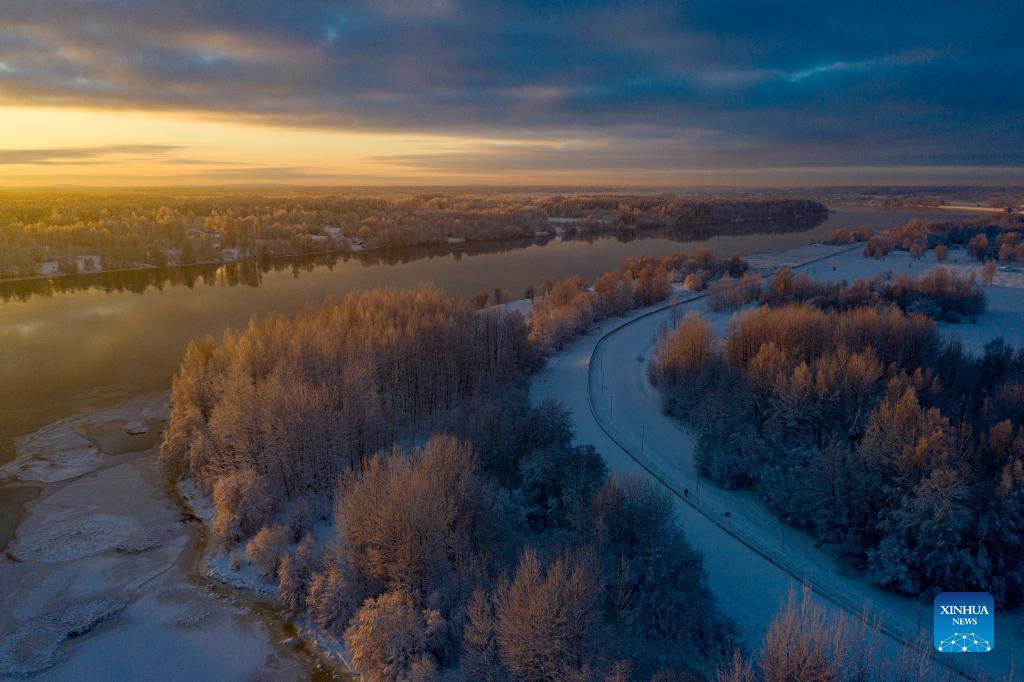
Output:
x=320 y=238
x=88 y=263
x=230 y=254
x=334 y=233
x=456 y=240
x=50 y=267
x=356 y=243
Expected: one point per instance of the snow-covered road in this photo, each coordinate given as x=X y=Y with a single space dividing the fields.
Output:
x=751 y=559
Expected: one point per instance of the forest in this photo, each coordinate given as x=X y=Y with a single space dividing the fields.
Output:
x=377 y=462
x=48 y=232
x=851 y=417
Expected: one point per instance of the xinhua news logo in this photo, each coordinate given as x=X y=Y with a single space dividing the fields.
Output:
x=965 y=622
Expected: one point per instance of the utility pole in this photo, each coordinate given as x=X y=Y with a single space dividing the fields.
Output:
x=602 y=369
x=643 y=431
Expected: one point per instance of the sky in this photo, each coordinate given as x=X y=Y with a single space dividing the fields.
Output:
x=128 y=92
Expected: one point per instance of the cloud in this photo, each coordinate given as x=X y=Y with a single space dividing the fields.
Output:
x=717 y=84
x=78 y=155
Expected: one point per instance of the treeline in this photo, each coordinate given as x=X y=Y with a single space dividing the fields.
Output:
x=295 y=403
x=152 y=228
x=939 y=294
x=376 y=459
x=567 y=308
x=899 y=451
x=985 y=238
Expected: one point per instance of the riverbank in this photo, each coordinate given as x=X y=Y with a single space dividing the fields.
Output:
x=105 y=570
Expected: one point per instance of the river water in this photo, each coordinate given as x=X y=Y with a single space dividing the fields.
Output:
x=76 y=345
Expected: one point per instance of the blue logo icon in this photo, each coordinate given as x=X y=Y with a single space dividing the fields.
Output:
x=965 y=622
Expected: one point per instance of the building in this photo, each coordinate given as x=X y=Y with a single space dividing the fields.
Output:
x=456 y=240
x=334 y=233
x=50 y=267
x=89 y=263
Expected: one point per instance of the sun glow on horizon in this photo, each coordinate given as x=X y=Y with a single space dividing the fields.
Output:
x=48 y=145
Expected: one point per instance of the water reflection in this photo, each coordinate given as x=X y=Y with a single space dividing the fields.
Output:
x=79 y=344
x=251 y=273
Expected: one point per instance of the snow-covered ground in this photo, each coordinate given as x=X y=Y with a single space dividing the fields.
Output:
x=751 y=560
x=97 y=582
x=79 y=445
x=1004 y=298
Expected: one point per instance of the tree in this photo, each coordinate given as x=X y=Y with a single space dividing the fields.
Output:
x=803 y=644
x=267 y=547
x=295 y=571
x=405 y=522
x=683 y=354
x=393 y=639
x=926 y=540
x=480 y=658
x=978 y=247
x=657 y=589
x=242 y=504
x=941 y=251
x=988 y=272
x=557 y=484
x=547 y=618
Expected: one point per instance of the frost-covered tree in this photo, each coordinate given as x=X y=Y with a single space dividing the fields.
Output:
x=393 y=639
x=267 y=547
x=547 y=618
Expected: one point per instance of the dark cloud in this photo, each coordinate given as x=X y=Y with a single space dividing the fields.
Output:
x=716 y=84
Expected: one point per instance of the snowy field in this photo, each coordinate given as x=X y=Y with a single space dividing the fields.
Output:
x=1004 y=299
x=98 y=576
x=752 y=561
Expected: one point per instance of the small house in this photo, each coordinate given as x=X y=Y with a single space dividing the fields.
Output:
x=88 y=263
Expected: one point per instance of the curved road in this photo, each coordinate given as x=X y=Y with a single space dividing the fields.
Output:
x=752 y=560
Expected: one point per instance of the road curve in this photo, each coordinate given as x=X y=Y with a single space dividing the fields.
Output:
x=753 y=561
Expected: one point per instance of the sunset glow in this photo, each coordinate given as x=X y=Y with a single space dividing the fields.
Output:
x=442 y=92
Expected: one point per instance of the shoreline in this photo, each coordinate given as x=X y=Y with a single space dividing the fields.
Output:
x=382 y=249
x=104 y=556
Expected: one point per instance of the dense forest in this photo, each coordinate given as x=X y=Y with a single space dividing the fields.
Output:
x=85 y=231
x=377 y=461
x=852 y=418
